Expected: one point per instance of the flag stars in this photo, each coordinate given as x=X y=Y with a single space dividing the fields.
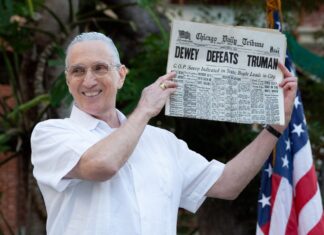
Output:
x=287 y=144
x=265 y=200
x=297 y=102
x=269 y=170
x=298 y=129
x=285 y=162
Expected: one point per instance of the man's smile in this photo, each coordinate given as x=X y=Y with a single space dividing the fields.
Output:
x=91 y=93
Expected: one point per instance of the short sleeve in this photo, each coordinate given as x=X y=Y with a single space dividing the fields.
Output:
x=198 y=175
x=56 y=149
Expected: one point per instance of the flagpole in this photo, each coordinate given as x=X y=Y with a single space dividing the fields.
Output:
x=273 y=5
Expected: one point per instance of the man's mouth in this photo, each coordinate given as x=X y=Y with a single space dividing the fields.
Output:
x=91 y=93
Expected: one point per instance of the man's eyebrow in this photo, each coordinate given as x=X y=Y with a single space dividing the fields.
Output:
x=76 y=65
x=94 y=63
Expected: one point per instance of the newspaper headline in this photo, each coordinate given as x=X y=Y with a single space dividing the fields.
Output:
x=226 y=73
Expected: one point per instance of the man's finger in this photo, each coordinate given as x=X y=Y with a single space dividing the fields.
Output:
x=288 y=80
x=168 y=76
x=284 y=70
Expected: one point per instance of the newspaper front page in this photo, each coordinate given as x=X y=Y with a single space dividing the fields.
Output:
x=226 y=73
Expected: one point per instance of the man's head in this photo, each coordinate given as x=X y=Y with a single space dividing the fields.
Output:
x=94 y=36
x=94 y=73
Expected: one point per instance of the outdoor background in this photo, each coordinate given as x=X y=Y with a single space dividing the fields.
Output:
x=33 y=36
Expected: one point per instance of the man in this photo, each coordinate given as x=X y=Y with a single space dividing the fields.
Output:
x=101 y=173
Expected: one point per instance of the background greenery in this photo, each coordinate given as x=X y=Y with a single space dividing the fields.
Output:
x=33 y=34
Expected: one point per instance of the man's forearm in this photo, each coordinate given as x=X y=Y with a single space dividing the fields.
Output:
x=106 y=157
x=241 y=169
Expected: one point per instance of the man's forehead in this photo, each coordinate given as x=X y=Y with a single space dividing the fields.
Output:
x=91 y=50
x=90 y=45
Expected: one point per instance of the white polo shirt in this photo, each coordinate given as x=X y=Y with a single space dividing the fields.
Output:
x=143 y=198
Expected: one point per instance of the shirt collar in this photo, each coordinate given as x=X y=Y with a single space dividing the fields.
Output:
x=89 y=122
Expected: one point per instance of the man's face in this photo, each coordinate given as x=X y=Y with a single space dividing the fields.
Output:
x=93 y=78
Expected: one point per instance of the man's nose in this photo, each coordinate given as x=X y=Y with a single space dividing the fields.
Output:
x=89 y=79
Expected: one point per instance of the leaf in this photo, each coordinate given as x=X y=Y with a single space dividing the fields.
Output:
x=147 y=3
x=55 y=63
x=4 y=138
x=28 y=105
x=59 y=92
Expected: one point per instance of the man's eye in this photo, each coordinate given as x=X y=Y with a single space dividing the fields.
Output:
x=78 y=71
x=100 y=68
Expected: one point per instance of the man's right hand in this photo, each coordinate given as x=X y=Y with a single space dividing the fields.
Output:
x=154 y=97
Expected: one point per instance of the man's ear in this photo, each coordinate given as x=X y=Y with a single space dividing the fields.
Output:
x=122 y=75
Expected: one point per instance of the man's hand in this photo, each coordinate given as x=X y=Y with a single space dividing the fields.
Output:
x=289 y=86
x=154 y=97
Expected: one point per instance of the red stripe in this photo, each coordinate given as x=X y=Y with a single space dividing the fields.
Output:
x=265 y=228
x=305 y=189
x=274 y=187
x=292 y=224
x=319 y=228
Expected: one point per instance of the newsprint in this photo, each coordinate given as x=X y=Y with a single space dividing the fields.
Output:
x=226 y=73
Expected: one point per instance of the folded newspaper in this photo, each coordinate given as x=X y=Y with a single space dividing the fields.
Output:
x=226 y=73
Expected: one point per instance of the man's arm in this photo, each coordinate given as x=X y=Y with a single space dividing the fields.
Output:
x=102 y=160
x=239 y=171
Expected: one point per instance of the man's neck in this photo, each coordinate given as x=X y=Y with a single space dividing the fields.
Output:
x=111 y=118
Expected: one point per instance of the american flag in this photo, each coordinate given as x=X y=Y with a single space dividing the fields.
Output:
x=289 y=200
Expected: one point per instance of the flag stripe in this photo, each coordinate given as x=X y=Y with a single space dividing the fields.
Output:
x=265 y=228
x=281 y=208
x=291 y=228
x=305 y=189
x=276 y=179
x=259 y=231
x=310 y=215
x=319 y=228
x=302 y=164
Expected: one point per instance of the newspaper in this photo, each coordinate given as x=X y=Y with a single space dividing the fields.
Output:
x=226 y=73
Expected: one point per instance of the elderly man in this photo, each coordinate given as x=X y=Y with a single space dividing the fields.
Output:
x=102 y=173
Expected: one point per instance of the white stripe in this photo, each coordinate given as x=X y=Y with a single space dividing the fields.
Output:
x=281 y=208
x=258 y=230
x=311 y=214
x=303 y=162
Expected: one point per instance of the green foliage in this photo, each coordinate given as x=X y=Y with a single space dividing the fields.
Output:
x=187 y=223
x=14 y=16
x=147 y=3
x=149 y=6
x=145 y=68
x=17 y=23
x=14 y=125
x=148 y=64
x=58 y=91
x=4 y=140
x=311 y=93
x=287 y=5
x=301 y=5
